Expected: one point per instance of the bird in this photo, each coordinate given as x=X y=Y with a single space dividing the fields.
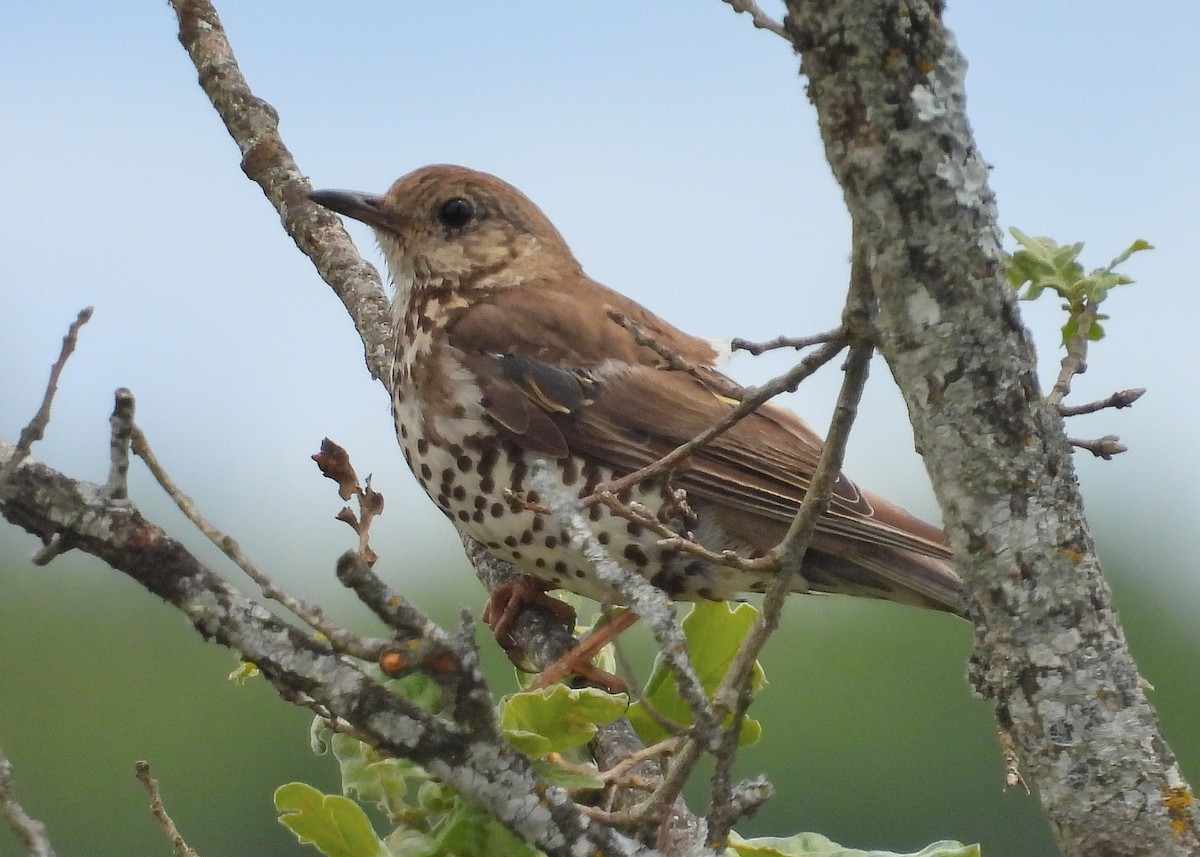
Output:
x=509 y=360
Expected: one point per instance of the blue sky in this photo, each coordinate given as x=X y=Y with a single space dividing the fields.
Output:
x=674 y=147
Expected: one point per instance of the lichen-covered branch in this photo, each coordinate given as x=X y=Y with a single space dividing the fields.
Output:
x=48 y=504
x=318 y=232
x=887 y=82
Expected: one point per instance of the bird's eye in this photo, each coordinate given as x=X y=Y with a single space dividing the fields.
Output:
x=456 y=213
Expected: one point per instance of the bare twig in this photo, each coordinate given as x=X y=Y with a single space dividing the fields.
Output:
x=639 y=514
x=1104 y=447
x=36 y=429
x=753 y=398
x=758 y=17
x=662 y=748
x=28 y=829
x=680 y=767
x=714 y=381
x=142 y=771
x=1118 y=400
x=342 y=639
x=733 y=693
x=796 y=342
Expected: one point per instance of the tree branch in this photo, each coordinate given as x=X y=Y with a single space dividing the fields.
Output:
x=254 y=126
x=493 y=774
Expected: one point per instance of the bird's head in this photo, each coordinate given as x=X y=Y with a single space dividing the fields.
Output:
x=448 y=226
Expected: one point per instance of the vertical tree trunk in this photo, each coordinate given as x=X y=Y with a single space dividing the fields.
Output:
x=887 y=82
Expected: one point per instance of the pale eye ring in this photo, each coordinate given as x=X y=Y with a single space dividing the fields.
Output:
x=456 y=213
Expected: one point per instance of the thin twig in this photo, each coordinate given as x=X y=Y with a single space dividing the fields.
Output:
x=28 y=829
x=671 y=540
x=619 y=770
x=340 y=638
x=733 y=694
x=1103 y=447
x=795 y=342
x=1118 y=400
x=790 y=551
x=754 y=398
x=679 y=769
x=711 y=379
x=637 y=693
x=759 y=18
x=142 y=771
x=36 y=429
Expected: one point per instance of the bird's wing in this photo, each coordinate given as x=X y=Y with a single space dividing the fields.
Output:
x=618 y=404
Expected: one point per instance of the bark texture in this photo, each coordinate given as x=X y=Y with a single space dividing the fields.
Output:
x=887 y=82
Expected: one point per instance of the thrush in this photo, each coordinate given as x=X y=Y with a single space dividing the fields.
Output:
x=507 y=355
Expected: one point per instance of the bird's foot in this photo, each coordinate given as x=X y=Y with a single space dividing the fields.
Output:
x=506 y=602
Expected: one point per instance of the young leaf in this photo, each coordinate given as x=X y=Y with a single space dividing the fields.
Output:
x=714 y=631
x=558 y=718
x=336 y=825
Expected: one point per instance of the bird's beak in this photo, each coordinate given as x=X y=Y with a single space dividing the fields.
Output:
x=365 y=207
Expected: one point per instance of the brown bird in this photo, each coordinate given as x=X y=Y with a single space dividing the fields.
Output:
x=506 y=354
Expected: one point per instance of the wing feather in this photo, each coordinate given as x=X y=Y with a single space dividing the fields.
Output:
x=555 y=387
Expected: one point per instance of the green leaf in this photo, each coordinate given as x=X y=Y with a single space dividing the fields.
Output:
x=1136 y=247
x=558 y=718
x=336 y=825
x=714 y=631
x=816 y=845
x=373 y=777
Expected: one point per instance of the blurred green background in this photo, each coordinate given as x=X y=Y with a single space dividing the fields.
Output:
x=871 y=736
x=675 y=149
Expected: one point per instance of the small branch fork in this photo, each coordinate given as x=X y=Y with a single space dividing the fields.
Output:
x=752 y=398
x=310 y=670
x=1075 y=363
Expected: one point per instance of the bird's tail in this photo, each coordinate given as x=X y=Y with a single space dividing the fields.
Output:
x=882 y=571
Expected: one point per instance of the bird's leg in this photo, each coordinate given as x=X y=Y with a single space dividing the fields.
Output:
x=505 y=604
x=578 y=661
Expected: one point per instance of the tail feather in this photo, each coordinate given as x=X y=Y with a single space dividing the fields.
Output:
x=879 y=571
